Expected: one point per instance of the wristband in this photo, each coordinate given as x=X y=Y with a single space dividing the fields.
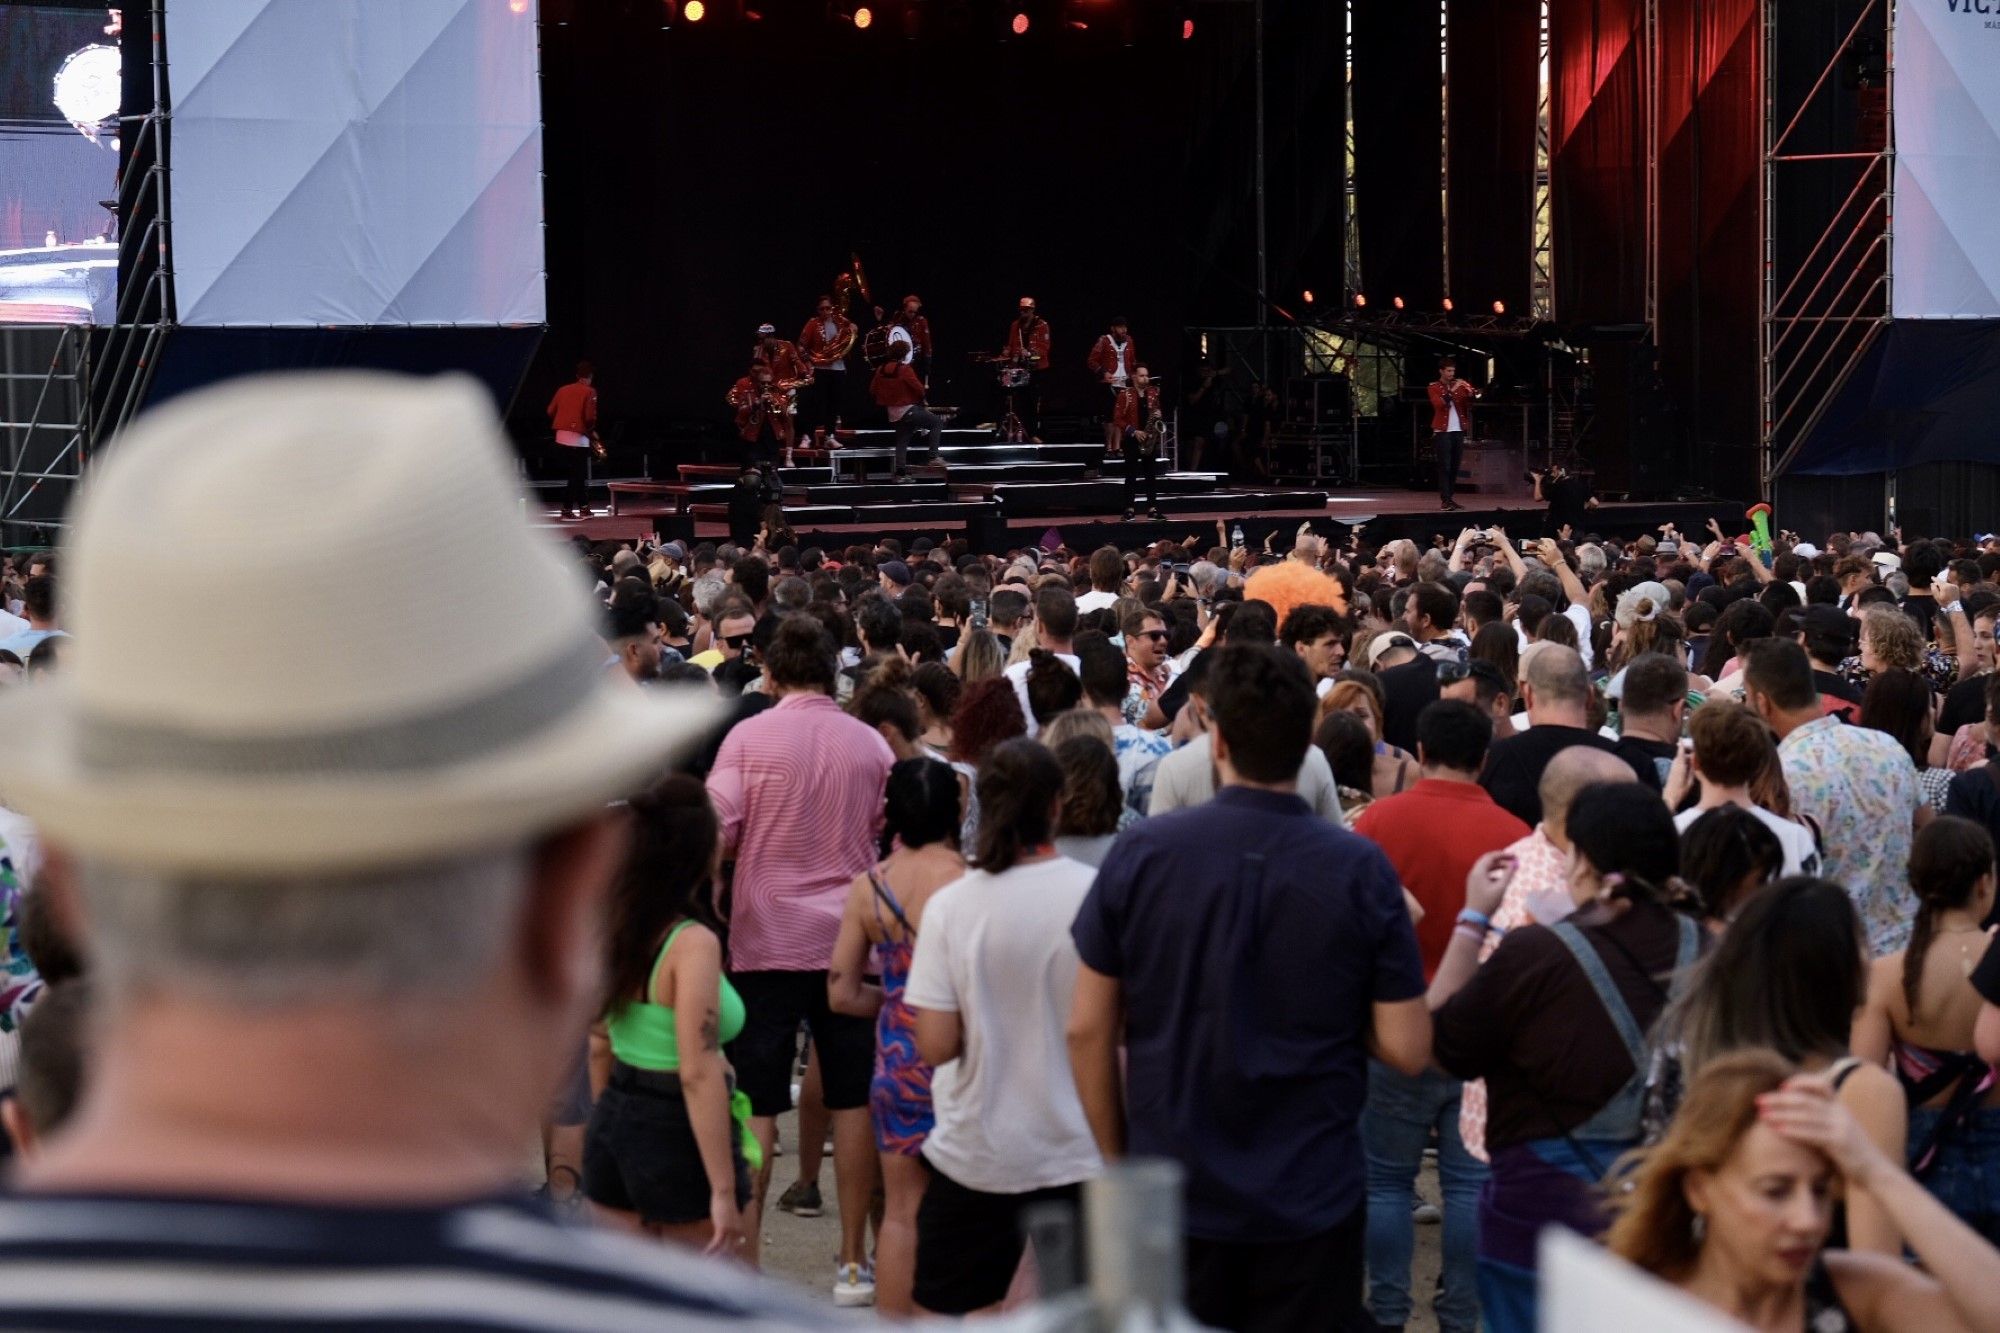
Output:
x=1468 y=917
x=1467 y=932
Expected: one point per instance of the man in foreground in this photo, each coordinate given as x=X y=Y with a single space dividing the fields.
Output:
x=1251 y=956
x=341 y=873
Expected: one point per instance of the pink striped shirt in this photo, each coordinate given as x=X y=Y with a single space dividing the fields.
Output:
x=798 y=789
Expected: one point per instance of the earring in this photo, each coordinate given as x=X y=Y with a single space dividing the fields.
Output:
x=1698 y=1228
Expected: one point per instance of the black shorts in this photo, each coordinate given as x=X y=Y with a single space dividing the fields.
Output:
x=1276 y=1286
x=640 y=1154
x=969 y=1243
x=763 y=1053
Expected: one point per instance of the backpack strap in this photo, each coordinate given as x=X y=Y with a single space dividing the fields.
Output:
x=1600 y=980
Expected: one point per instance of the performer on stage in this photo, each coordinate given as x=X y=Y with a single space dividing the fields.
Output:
x=1028 y=347
x=910 y=325
x=790 y=371
x=897 y=388
x=573 y=414
x=1111 y=360
x=826 y=340
x=1136 y=417
x=1451 y=415
x=763 y=414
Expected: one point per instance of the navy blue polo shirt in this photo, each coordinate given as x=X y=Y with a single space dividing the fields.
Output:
x=1251 y=939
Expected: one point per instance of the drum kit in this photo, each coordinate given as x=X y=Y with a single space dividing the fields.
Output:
x=1014 y=372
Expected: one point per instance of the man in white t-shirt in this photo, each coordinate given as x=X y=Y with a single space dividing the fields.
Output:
x=1107 y=576
x=1055 y=627
x=1731 y=746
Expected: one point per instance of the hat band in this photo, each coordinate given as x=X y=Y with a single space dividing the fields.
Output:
x=456 y=733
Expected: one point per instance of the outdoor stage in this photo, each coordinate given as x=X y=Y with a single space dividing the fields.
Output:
x=1002 y=496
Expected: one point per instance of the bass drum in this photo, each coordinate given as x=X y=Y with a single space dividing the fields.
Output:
x=875 y=347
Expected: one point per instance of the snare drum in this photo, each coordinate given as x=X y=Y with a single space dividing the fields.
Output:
x=1014 y=377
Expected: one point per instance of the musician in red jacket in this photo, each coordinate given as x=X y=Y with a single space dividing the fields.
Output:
x=1451 y=417
x=896 y=388
x=1028 y=349
x=573 y=417
x=1112 y=360
x=763 y=414
x=1139 y=424
x=788 y=365
x=826 y=340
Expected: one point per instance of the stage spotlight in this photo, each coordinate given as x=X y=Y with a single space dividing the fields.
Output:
x=1187 y=30
x=1020 y=24
x=1307 y=295
x=518 y=6
x=694 y=11
x=1499 y=307
x=863 y=17
x=1360 y=301
x=1447 y=305
x=1396 y=301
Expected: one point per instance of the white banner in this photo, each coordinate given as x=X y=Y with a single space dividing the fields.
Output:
x=1945 y=261
x=356 y=162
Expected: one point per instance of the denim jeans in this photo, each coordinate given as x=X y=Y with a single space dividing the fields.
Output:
x=1965 y=1175
x=1396 y=1126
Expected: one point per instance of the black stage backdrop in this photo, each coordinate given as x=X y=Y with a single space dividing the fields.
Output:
x=1494 y=50
x=1398 y=113
x=705 y=179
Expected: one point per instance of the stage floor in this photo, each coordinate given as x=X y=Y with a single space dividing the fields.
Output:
x=1383 y=513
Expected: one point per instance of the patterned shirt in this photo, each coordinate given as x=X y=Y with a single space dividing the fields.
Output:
x=798 y=789
x=1144 y=689
x=1541 y=879
x=1858 y=787
x=1139 y=752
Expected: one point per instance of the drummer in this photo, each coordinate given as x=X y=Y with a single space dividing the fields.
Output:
x=1027 y=352
x=910 y=325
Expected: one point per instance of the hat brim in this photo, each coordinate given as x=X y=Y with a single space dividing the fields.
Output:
x=614 y=744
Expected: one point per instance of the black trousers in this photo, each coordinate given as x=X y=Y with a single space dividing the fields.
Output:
x=1140 y=462
x=918 y=418
x=1026 y=406
x=819 y=402
x=1278 y=1286
x=1450 y=445
x=576 y=473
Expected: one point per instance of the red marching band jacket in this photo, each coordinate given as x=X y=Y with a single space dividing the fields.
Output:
x=786 y=363
x=813 y=341
x=1037 y=344
x=896 y=385
x=920 y=334
x=1104 y=358
x=744 y=399
x=1461 y=394
x=1129 y=411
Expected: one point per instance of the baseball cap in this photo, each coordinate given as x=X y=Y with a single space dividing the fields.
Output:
x=1383 y=643
x=1805 y=550
x=1887 y=559
x=766 y=329
x=895 y=571
x=674 y=551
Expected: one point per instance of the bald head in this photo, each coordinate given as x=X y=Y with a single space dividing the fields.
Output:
x=1558 y=687
x=1570 y=772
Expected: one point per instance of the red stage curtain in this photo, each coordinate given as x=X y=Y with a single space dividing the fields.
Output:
x=1493 y=53
x=1597 y=172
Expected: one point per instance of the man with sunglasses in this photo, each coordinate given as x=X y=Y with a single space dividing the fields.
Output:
x=1146 y=669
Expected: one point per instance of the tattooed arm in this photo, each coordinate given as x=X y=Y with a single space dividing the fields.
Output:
x=694 y=977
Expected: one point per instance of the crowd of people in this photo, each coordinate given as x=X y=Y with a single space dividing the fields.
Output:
x=1643 y=883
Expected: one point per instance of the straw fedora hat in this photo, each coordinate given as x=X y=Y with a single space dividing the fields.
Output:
x=377 y=661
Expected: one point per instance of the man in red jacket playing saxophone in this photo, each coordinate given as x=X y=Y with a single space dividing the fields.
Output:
x=1451 y=414
x=897 y=388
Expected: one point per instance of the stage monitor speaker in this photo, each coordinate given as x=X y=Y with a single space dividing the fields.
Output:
x=674 y=528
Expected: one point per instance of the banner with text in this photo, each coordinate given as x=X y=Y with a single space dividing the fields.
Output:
x=1945 y=263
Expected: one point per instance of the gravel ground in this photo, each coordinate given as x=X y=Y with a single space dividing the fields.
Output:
x=801 y=1250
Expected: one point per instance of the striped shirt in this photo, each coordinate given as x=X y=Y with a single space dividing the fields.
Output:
x=798 y=788
x=115 y=1262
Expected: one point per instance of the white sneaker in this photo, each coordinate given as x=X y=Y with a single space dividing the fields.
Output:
x=853 y=1285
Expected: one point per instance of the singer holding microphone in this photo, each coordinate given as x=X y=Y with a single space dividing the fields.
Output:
x=1451 y=413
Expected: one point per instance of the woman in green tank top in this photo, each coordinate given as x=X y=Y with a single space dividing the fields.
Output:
x=664 y=1152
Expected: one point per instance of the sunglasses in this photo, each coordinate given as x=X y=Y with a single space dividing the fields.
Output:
x=737 y=641
x=1156 y=634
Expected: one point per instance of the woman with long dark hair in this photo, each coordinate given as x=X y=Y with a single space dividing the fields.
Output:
x=991 y=983
x=1919 y=1019
x=1787 y=976
x=885 y=909
x=1552 y=1022
x=1899 y=704
x=665 y=1150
